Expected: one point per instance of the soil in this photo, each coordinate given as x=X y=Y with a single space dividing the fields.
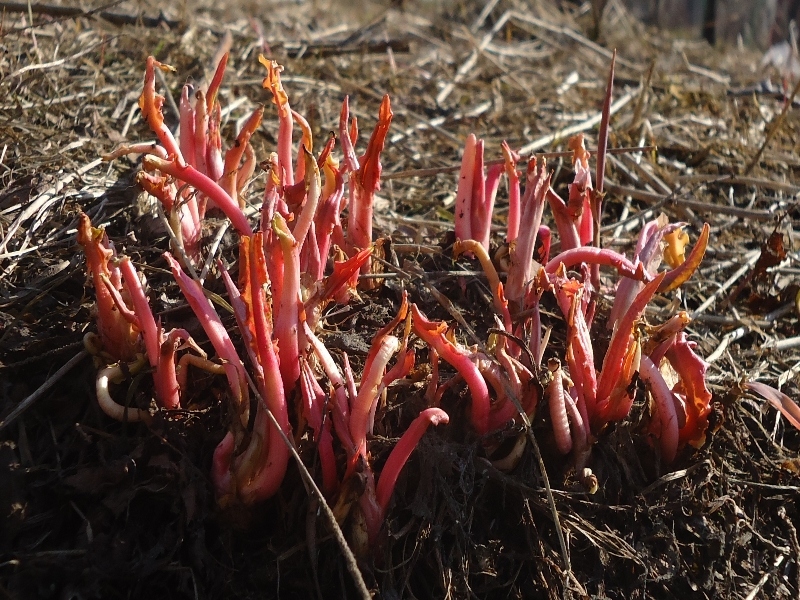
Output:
x=92 y=508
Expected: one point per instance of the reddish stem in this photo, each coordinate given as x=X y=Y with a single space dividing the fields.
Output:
x=203 y=184
x=621 y=340
x=511 y=160
x=272 y=82
x=463 y=205
x=402 y=451
x=558 y=409
x=433 y=334
x=598 y=256
x=665 y=408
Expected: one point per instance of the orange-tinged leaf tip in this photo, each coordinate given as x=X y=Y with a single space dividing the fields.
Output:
x=675 y=252
x=678 y=276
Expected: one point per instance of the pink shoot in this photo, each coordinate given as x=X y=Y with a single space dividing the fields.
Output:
x=340 y=409
x=287 y=316
x=313 y=398
x=326 y=219
x=619 y=359
x=402 y=451
x=383 y=348
x=433 y=334
x=145 y=320
x=214 y=162
x=545 y=239
x=215 y=330
x=366 y=182
x=597 y=256
x=187 y=125
x=151 y=105
x=463 y=208
x=558 y=410
x=580 y=191
x=307 y=142
x=118 y=337
x=565 y=221
x=346 y=140
x=665 y=419
x=648 y=252
x=273 y=83
x=200 y=133
x=202 y=183
x=780 y=401
x=260 y=470
x=312 y=184
x=231 y=172
x=691 y=370
x=511 y=159
x=165 y=378
x=580 y=354
x=522 y=269
x=160 y=347
x=482 y=204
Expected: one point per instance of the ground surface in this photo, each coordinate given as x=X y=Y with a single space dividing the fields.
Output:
x=90 y=508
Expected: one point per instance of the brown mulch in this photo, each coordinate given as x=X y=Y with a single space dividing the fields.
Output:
x=90 y=508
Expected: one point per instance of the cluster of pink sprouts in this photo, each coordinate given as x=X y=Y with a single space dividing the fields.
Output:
x=307 y=252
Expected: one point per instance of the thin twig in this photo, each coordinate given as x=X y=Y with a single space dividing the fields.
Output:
x=776 y=124
x=76 y=12
x=752 y=257
x=578 y=127
x=349 y=557
x=45 y=387
x=744 y=213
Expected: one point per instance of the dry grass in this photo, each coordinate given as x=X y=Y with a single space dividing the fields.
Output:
x=94 y=509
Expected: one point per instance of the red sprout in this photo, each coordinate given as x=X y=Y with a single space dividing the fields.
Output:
x=307 y=142
x=341 y=407
x=203 y=184
x=463 y=207
x=691 y=370
x=187 y=125
x=402 y=451
x=433 y=334
x=366 y=182
x=287 y=316
x=482 y=203
x=273 y=83
x=382 y=350
x=117 y=335
x=151 y=105
x=346 y=140
x=565 y=221
x=598 y=256
x=511 y=159
x=778 y=400
x=558 y=410
x=580 y=191
x=665 y=419
x=215 y=330
x=522 y=269
x=620 y=358
x=231 y=173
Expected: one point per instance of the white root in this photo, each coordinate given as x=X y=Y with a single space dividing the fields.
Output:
x=107 y=403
